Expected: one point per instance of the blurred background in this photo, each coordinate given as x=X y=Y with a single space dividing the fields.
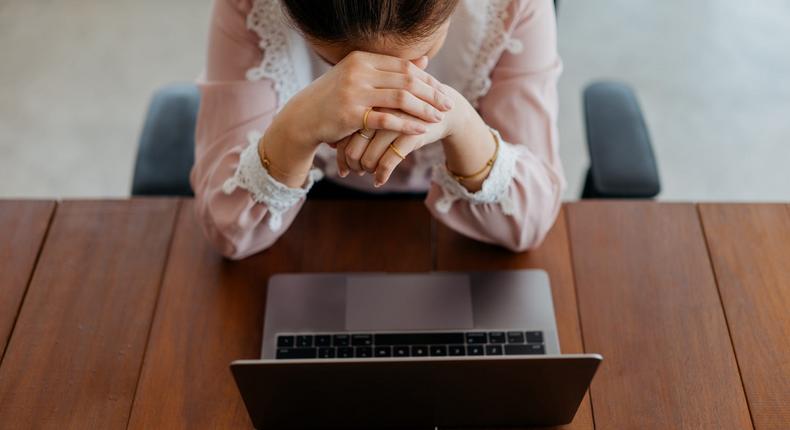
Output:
x=713 y=78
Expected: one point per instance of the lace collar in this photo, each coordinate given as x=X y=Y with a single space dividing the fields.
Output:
x=477 y=37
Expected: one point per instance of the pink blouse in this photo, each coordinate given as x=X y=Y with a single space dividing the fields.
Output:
x=508 y=69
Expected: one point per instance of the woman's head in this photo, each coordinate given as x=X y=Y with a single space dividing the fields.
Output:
x=402 y=28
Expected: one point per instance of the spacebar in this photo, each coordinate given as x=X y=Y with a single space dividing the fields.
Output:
x=384 y=339
x=296 y=353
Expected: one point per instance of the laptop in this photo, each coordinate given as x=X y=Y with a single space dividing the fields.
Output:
x=412 y=350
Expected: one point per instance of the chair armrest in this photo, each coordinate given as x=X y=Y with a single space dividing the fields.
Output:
x=166 y=151
x=622 y=164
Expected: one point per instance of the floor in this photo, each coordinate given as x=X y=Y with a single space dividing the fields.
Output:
x=712 y=77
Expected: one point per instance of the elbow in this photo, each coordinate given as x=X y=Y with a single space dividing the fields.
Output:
x=527 y=238
x=531 y=230
x=226 y=234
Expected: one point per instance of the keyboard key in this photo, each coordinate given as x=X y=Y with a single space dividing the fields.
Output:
x=323 y=340
x=529 y=349
x=419 y=351
x=285 y=341
x=474 y=350
x=362 y=339
x=493 y=349
x=363 y=352
x=534 y=337
x=341 y=340
x=400 y=351
x=438 y=350
x=345 y=352
x=418 y=338
x=476 y=338
x=291 y=353
x=326 y=352
x=515 y=337
x=456 y=350
x=496 y=337
x=383 y=351
x=304 y=341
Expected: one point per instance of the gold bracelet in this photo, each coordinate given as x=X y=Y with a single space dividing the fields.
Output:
x=268 y=164
x=489 y=163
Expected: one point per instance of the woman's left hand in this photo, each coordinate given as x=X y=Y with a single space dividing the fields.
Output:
x=360 y=155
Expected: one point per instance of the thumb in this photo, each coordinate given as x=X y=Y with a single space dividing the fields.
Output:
x=421 y=62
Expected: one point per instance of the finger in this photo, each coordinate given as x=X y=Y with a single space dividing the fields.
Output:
x=405 y=101
x=390 y=160
x=342 y=166
x=386 y=63
x=389 y=121
x=425 y=92
x=354 y=150
x=376 y=148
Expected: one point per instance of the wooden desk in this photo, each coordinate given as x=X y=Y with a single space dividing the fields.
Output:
x=118 y=314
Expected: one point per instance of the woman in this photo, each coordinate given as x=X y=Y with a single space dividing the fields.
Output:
x=456 y=98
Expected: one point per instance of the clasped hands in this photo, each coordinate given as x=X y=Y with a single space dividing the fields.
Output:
x=410 y=109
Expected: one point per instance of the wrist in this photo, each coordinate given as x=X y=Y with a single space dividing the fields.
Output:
x=464 y=123
x=285 y=158
x=286 y=128
x=461 y=116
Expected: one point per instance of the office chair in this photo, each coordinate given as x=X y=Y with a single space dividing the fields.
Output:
x=622 y=164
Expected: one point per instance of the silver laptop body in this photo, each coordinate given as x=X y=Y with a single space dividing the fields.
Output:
x=412 y=350
x=366 y=303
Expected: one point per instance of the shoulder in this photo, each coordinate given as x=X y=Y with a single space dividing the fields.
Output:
x=239 y=6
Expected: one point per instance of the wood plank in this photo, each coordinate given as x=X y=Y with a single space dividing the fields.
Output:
x=211 y=310
x=23 y=225
x=74 y=358
x=648 y=303
x=210 y=313
x=456 y=252
x=750 y=250
x=357 y=235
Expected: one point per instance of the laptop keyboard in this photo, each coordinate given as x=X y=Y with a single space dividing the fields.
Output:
x=411 y=344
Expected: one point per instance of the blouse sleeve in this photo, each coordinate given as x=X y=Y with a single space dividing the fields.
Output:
x=242 y=209
x=520 y=199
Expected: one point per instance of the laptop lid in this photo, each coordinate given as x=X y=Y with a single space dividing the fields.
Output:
x=414 y=393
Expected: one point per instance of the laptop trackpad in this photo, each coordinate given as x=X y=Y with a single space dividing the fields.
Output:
x=408 y=302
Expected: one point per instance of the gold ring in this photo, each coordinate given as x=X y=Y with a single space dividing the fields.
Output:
x=365 y=118
x=398 y=153
x=365 y=136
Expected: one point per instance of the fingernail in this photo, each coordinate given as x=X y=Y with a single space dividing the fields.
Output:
x=361 y=173
x=378 y=184
x=448 y=104
x=343 y=173
x=438 y=115
x=418 y=129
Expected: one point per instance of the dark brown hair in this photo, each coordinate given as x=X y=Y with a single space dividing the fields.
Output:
x=339 y=21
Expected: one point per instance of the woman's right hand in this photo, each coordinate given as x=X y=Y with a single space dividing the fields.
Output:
x=333 y=106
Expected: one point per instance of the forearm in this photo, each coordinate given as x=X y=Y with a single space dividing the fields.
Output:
x=286 y=152
x=469 y=147
x=516 y=212
x=236 y=224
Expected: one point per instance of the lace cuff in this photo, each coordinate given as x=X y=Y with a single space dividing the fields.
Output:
x=496 y=187
x=253 y=177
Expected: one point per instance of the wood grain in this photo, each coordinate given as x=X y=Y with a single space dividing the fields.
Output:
x=456 y=252
x=211 y=309
x=23 y=225
x=648 y=303
x=370 y=236
x=750 y=250
x=210 y=313
x=75 y=354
